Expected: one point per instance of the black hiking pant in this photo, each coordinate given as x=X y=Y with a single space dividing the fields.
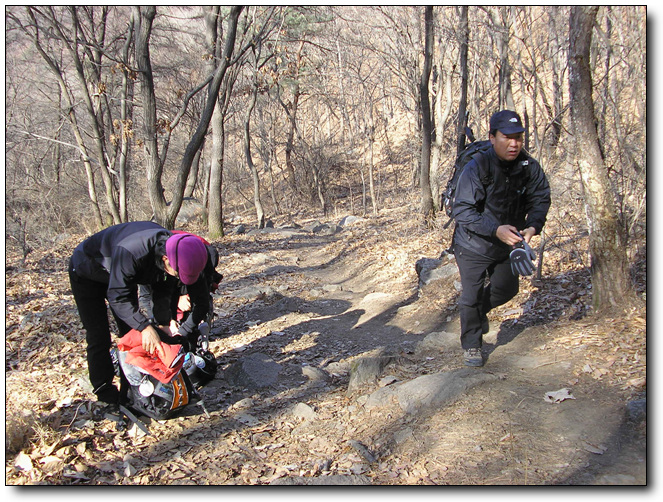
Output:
x=90 y=298
x=477 y=299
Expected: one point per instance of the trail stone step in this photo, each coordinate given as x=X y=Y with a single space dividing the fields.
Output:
x=430 y=270
x=438 y=341
x=367 y=370
x=428 y=391
x=253 y=371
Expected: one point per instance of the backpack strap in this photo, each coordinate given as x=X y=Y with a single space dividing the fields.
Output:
x=485 y=172
x=485 y=175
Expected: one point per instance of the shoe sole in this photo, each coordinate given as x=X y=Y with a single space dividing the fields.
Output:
x=474 y=361
x=474 y=364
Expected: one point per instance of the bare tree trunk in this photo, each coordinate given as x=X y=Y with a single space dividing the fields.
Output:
x=210 y=104
x=143 y=18
x=272 y=184
x=344 y=118
x=318 y=184
x=260 y=213
x=427 y=208
x=126 y=124
x=292 y=123
x=441 y=117
x=611 y=284
x=363 y=190
x=505 y=91
x=289 y=165
x=214 y=200
x=214 y=185
x=87 y=163
x=57 y=156
x=192 y=180
x=557 y=80
x=607 y=81
x=462 y=106
x=371 y=157
x=70 y=113
x=371 y=174
x=94 y=110
x=166 y=215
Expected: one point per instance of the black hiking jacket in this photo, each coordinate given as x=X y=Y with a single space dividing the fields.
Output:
x=126 y=255
x=513 y=193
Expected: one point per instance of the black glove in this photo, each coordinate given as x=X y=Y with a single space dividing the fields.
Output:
x=190 y=335
x=522 y=259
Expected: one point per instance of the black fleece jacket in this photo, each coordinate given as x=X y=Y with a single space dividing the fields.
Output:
x=517 y=194
x=128 y=254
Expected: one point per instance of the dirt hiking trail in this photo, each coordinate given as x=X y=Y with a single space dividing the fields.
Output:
x=339 y=365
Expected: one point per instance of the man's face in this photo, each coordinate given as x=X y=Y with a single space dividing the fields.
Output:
x=507 y=147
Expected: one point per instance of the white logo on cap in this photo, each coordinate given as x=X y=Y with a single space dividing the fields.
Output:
x=514 y=119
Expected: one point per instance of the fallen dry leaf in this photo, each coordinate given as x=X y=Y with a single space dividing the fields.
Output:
x=23 y=462
x=558 y=396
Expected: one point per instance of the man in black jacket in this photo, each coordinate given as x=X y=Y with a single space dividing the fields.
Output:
x=502 y=197
x=109 y=266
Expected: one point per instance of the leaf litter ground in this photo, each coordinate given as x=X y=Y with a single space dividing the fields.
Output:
x=324 y=302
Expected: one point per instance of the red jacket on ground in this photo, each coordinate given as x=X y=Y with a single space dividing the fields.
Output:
x=162 y=368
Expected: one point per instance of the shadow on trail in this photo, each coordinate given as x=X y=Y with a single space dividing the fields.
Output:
x=248 y=244
x=330 y=333
x=333 y=333
x=272 y=272
x=551 y=300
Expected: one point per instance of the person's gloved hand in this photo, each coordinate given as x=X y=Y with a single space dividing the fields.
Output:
x=522 y=259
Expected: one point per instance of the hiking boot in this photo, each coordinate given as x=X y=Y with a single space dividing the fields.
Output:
x=106 y=411
x=473 y=357
x=107 y=393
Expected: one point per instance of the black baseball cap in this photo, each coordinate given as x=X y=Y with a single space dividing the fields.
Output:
x=506 y=122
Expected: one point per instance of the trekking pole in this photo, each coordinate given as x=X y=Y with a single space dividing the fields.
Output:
x=201 y=403
x=135 y=420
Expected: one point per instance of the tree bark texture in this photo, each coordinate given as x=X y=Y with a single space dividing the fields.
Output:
x=462 y=105
x=214 y=178
x=611 y=285
x=260 y=213
x=426 y=126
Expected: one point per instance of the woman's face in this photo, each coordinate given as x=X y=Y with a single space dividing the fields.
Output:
x=169 y=270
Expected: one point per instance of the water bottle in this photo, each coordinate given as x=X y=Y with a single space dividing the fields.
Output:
x=199 y=361
x=189 y=364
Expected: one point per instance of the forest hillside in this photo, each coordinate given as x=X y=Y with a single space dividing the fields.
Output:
x=310 y=145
